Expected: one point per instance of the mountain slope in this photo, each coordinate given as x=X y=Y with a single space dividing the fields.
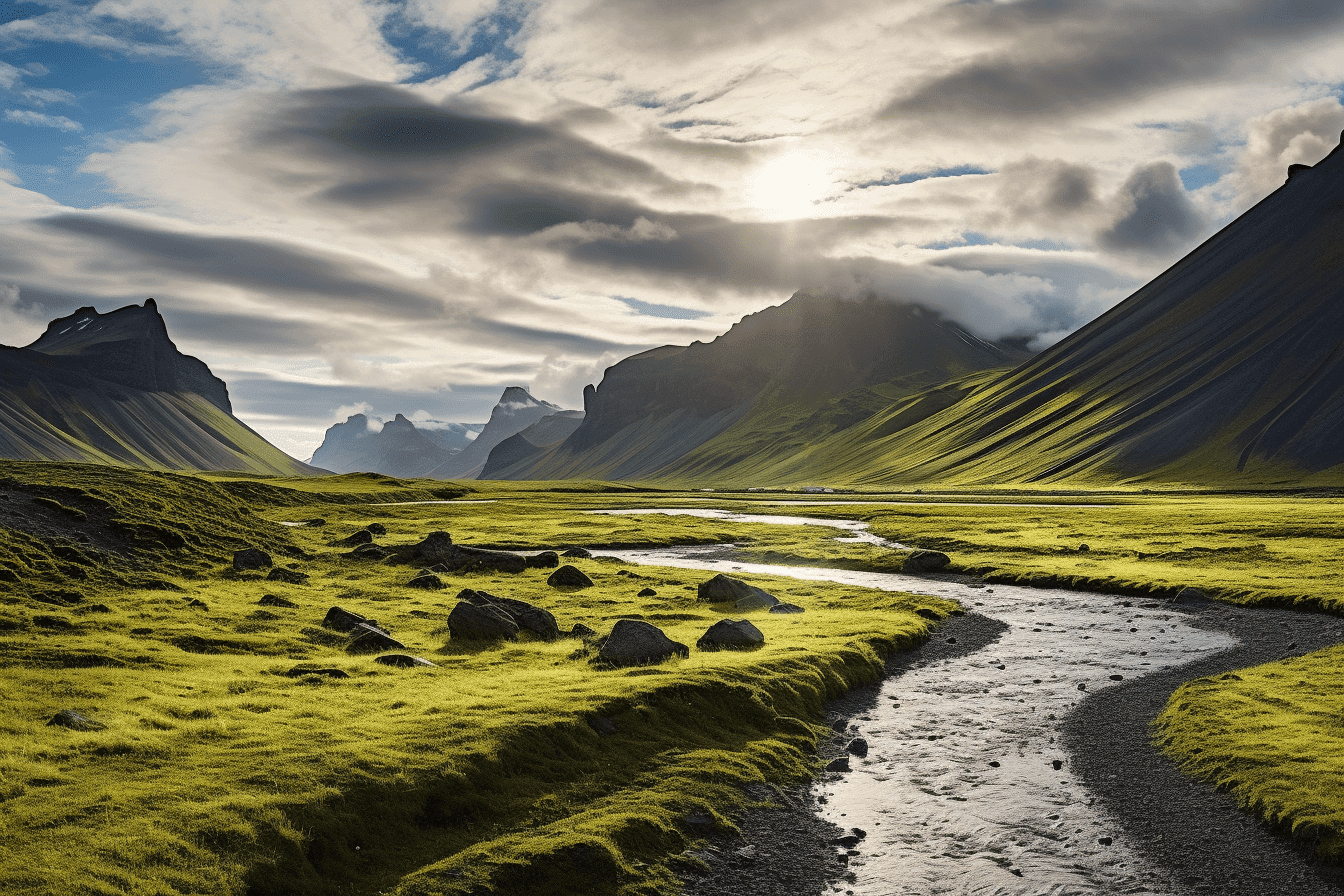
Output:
x=398 y=448
x=708 y=405
x=528 y=444
x=515 y=411
x=112 y=388
x=1227 y=369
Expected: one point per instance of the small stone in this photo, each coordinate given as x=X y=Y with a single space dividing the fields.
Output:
x=270 y=600
x=1117 y=678
x=925 y=561
x=838 y=765
x=288 y=576
x=1104 y=841
x=371 y=640
x=404 y=661
x=369 y=552
x=342 y=620
x=426 y=580
x=930 y=614
x=848 y=841
x=68 y=718
x=1057 y=764
x=581 y=553
x=857 y=747
x=1083 y=549
x=724 y=588
x=993 y=763
x=783 y=609
x=569 y=577
x=1190 y=596
x=951 y=640
x=582 y=631
x=377 y=528
x=250 y=558
x=544 y=560
x=647 y=592
x=197 y=604
x=363 y=536
x=329 y=672
x=1082 y=686
x=728 y=634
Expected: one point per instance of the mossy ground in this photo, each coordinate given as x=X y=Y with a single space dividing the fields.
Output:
x=219 y=773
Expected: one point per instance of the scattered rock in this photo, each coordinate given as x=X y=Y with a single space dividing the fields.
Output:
x=363 y=536
x=603 y=726
x=847 y=841
x=329 y=672
x=315 y=522
x=370 y=552
x=544 y=560
x=633 y=642
x=1057 y=764
x=925 y=561
x=460 y=558
x=1190 y=596
x=581 y=553
x=569 y=577
x=1104 y=841
x=68 y=718
x=342 y=620
x=723 y=588
x=787 y=608
x=198 y=604
x=838 y=765
x=404 y=661
x=270 y=600
x=377 y=528
x=994 y=763
x=288 y=576
x=1117 y=678
x=45 y=621
x=857 y=747
x=927 y=613
x=473 y=622
x=1083 y=549
x=426 y=580
x=436 y=547
x=647 y=592
x=249 y=559
x=728 y=634
x=372 y=640
x=582 y=631
x=526 y=616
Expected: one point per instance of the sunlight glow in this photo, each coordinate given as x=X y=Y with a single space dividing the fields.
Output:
x=790 y=186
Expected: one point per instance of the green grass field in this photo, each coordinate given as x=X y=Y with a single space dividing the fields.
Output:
x=218 y=772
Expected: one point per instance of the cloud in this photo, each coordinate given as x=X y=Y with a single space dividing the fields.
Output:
x=41 y=120
x=21 y=323
x=1299 y=134
x=1155 y=216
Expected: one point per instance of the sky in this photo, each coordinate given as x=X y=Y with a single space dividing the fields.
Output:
x=404 y=206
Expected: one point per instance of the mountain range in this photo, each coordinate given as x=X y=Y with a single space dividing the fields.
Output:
x=113 y=389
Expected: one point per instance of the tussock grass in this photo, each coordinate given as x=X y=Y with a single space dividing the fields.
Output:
x=218 y=772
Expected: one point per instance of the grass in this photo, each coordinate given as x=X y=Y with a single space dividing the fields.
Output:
x=220 y=773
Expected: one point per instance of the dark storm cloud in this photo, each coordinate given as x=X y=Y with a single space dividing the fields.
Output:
x=1159 y=217
x=1068 y=56
x=250 y=332
x=314 y=403
x=266 y=267
x=518 y=209
x=1046 y=189
x=518 y=335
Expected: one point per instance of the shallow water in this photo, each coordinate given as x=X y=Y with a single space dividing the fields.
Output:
x=858 y=530
x=958 y=793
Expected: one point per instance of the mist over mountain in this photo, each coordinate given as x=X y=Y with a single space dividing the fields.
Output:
x=113 y=388
x=515 y=411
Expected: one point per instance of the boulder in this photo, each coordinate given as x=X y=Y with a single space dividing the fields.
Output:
x=288 y=576
x=251 y=558
x=270 y=600
x=647 y=592
x=363 y=536
x=68 y=718
x=404 y=661
x=426 y=580
x=633 y=642
x=925 y=561
x=377 y=528
x=581 y=553
x=1190 y=596
x=722 y=589
x=838 y=765
x=368 y=639
x=474 y=622
x=728 y=634
x=544 y=560
x=370 y=552
x=342 y=620
x=526 y=616
x=435 y=547
x=582 y=631
x=857 y=747
x=787 y=608
x=460 y=558
x=569 y=577
x=328 y=671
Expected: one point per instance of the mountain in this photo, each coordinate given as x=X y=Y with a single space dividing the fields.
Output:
x=113 y=389
x=398 y=448
x=516 y=411
x=774 y=384
x=1225 y=370
x=530 y=443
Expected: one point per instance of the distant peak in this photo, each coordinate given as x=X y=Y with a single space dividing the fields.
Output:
x=353 y=417
x=517 y=394
x=150 y=303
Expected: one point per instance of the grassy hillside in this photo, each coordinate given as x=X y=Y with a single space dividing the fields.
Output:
x=234 y=758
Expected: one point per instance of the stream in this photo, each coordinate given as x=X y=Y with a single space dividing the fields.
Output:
x=965 y=788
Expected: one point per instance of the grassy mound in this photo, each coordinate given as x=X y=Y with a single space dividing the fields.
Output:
x=245 y=751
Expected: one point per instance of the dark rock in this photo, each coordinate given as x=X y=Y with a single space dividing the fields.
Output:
x=435 y=548
x=544 y=560
x=329 y=672
x=728 y=634
x=581 y=553
x=569 y=577
x=927 y=613
x=460 y=558
x=857 y=747
x=371 y=552
x=342 y=620
x=315 y=522
x=925 y=561
x=1104 y=841
x=288 y=576
x=371 y=640
x=426 y=580
x=1190 y=596
x=472 y=622
x=251 y=558
x=994 y=763
x=263 y=616
x=787 y=608
x=198 y=604
x=838 y=765
x=68 y=718
x=404 y=661
x=1117 y=678
x=1083 y=549
x=633 y=642
x=44 y=621
x=1057 y=764
x=363 y=536
x=270 y=600
x=377 y=528
x=723 y=588
x=526 y=616
x=603 y=726
x=848 y=841
x=582 y=631
x=647 y=592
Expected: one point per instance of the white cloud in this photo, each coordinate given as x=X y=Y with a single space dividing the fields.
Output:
x=41 y=120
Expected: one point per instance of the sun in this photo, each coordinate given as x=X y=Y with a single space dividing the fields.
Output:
x=790 y=185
